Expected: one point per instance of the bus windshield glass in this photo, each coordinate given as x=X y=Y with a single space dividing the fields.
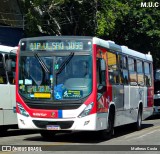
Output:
x=54 y=75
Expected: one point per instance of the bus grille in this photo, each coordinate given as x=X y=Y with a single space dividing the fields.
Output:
x=48 y=106
x=62 y=124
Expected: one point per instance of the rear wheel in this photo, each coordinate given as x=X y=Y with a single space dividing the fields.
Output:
x=139 y=120
x=111 y=125
x=47 y=134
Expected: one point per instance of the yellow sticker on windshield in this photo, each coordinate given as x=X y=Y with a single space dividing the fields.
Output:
x=42 y=95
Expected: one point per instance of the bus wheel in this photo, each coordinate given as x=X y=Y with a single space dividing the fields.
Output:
x=46 y=134
x=111 y=125
x=139 y=120
x=109 y=132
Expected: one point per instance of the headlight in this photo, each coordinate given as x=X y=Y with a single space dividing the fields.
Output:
x=22 y=110
x=86 y=111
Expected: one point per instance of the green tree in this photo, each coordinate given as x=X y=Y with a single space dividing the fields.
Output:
x=124 y=21
x=109 y=12
x=140 y=29
x=60 y=17
x=128 y=23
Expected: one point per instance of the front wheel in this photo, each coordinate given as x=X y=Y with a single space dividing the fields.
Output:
x=109 y=132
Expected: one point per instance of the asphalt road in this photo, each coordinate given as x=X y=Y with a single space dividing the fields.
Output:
x=126 y=140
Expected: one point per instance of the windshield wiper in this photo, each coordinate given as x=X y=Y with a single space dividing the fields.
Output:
x=43 y=65
x=65 y=62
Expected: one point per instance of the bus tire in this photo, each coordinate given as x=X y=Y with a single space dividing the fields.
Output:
x=139 y=121
x=47 y=134
x=111 y=125
x=109 y=132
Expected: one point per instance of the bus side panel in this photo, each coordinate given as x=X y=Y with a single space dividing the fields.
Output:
x=125 y=117
x=144 y=100
x=5 y=96
x=10 y=117
x=118 y=96
x=121 y=98
x=13 y=95
x=118 y=99
x=1 y=116
x=126 y=97
x=6 y=104
x=134 y=97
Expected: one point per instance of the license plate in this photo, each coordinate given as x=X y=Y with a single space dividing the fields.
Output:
x=53 y=127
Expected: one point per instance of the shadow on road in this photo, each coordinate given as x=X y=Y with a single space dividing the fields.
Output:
x=154 y=117
x=15 y=132
x=77 y=137
x=87 y=137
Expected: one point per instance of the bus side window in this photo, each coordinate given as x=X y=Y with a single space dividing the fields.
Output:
x=147 y=75
x=132 y=71
x=3 y=78
x=123 y=70
x=140 y=73
x=11 y=75
x=101 y=72
x=112 y=68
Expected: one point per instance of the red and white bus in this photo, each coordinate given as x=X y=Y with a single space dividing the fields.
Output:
x=68 y=83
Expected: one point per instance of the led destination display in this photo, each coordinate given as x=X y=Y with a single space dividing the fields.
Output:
x=71 y=45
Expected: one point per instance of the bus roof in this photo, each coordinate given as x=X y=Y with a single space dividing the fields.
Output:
x=55 y=37
x=8 y=49
x=123 y=49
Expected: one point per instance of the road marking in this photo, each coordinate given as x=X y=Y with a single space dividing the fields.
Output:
x=146 y=134
x=141 y=132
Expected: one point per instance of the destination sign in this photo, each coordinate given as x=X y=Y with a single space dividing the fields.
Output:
x=50 y=46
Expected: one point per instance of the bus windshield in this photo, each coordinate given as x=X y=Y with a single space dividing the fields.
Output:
x=55 y=76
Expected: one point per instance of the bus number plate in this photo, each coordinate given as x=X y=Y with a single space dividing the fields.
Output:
x=53 y=127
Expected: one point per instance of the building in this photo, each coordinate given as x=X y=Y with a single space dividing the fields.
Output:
x=11 y=22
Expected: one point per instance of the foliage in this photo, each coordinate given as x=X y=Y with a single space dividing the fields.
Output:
x=123 y=21
x=109 y=11
x=140 y=29
x=60 y=17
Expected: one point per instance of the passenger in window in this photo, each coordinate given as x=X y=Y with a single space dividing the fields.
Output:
x=82 y=70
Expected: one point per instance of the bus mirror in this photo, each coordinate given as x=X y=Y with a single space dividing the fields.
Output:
x=103 y=65
x=8 y=65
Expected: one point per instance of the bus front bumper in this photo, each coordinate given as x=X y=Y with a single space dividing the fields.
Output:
x=91 y=122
